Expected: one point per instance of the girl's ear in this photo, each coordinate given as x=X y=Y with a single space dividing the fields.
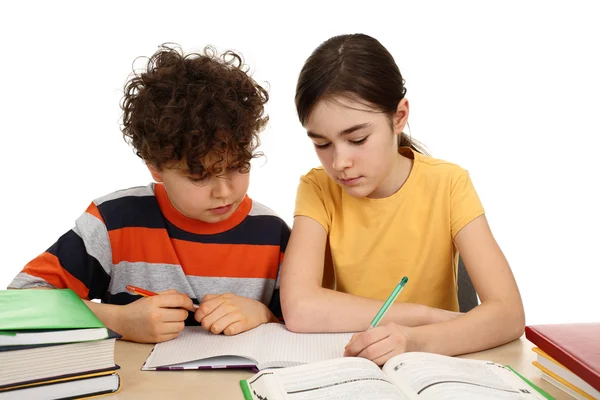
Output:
x=156 y=174
x=401 y=116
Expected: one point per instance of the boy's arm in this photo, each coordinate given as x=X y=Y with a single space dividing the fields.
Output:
x=79 y=260
x=308 y=307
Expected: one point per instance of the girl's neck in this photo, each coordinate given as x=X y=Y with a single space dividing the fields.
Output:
x=396 y=178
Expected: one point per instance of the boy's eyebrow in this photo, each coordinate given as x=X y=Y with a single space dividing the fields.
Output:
x=344 y=132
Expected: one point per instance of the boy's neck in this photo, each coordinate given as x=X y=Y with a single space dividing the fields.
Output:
x=196 y=226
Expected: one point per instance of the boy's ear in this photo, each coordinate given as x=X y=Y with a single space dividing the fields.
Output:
x=156 y=174
x=401 y=116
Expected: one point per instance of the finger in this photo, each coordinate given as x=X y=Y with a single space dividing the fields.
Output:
x=383 y=359
x=353 y=338
x=210 y=297
x=208 y=306
x=235 y=328
x=166 y=338
x=174 y=314
x=177 y=300
x=218 y=313
x=378 y=349
x=364 y=340
x=170 y=291
x=224 y=322
x=169 y=328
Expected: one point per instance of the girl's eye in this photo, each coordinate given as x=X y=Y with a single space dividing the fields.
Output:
x=359 y=141
x=322 y=146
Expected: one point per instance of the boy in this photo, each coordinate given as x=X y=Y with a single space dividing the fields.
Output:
x=194 y=234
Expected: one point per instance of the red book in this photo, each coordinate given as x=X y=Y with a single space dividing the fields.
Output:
x=576 y=346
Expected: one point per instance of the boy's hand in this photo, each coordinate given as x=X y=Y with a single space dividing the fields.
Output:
x=231 y=314
x=379 y=344
x=154 y=319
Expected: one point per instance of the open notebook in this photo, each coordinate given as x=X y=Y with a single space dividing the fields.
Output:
x=408 y=376
x=268 y=345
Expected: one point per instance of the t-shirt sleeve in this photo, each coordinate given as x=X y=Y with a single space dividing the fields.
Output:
x=79 y=260
x=310 y=201
x=465 y=204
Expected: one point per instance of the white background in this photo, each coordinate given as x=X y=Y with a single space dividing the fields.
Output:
x=508 y=90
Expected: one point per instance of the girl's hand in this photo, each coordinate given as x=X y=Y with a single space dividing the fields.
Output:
x=379 y=344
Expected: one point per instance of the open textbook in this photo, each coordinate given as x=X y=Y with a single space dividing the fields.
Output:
x=408 y=376
x=268 y=345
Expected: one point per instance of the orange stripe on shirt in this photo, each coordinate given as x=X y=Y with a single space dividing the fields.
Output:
x=47 y=267
x=142 y=245
x=93 y=210
x=228 y=260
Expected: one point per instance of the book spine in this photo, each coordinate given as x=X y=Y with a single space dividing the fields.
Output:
x=556 y=352
x=246 y=389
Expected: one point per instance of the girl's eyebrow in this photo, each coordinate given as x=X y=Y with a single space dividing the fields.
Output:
x=344 y=132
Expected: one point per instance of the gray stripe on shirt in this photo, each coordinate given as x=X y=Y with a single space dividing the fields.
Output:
x=161 y=277
x=95 y=238
x=26 y=281
x=261 y=209
x=138 y=191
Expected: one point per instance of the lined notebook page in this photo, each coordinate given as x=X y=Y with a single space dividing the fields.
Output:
x=269 y=345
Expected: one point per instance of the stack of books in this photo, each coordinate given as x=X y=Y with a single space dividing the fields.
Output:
x=568 y=356
x=52 y=346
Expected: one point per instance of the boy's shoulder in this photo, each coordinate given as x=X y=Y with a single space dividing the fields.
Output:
x=258 y=209
x=135 y=206
x=132 y=193
x=262 y=212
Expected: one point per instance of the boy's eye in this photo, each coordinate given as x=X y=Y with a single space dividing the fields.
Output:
x=199 y=180
x=359 y=141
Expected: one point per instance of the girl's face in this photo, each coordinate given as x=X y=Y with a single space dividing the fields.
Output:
x=357 y=145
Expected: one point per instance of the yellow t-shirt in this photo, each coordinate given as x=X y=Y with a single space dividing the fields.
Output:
x=373 y=243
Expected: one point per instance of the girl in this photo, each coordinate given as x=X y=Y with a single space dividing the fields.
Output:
x=380 y=209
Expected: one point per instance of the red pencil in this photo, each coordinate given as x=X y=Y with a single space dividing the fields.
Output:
x=144 y=292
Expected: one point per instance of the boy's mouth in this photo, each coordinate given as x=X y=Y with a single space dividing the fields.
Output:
x=221 y=210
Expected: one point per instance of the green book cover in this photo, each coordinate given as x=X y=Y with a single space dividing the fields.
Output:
x=37 y=309
x=246 y=389
x=533 y=385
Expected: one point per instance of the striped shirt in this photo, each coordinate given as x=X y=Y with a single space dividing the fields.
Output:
x=136 y=237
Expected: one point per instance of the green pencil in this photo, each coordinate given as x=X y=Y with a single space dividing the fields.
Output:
x=388 y=302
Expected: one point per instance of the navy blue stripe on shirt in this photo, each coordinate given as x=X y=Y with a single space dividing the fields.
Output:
x=256 y=230
x=144 y=212
x=132 y=211
x=275 y=305
x=285 y=237
x=73 y=257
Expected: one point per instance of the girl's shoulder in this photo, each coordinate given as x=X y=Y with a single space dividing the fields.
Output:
x=436 y=167
x=317 y=181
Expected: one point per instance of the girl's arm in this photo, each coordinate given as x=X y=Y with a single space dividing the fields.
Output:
x=308 y=307
x=497 y=320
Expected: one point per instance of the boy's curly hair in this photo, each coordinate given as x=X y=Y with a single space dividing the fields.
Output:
x=185 y=107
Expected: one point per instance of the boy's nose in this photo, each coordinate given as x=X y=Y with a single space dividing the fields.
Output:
x=222 y=187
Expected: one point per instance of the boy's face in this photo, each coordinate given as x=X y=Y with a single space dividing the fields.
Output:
x=210 y=200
